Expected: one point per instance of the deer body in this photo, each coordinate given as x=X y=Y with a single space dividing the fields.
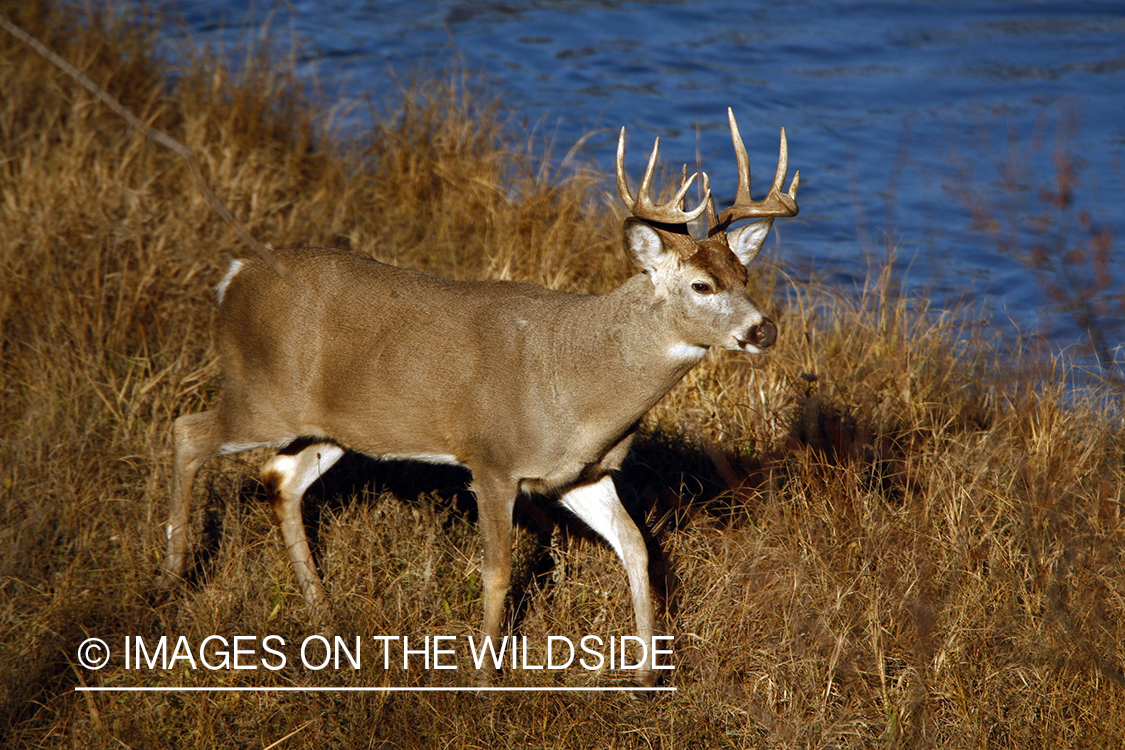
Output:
x=535 y=391
x=499 y=373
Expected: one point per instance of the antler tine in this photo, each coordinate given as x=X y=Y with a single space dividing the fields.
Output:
x=782 y=168
x=776 y=203
x=782 y=163
x=672 y=212
x=646 y=181
x=743 y=194
x=712 y=220
x=622 y=185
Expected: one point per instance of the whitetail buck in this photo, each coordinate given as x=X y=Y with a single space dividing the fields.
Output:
x=535 y=391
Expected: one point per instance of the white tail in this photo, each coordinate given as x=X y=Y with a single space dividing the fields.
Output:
x=535 y=391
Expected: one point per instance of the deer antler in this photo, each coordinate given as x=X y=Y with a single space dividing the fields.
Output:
x=776 y=203
x=672 y=212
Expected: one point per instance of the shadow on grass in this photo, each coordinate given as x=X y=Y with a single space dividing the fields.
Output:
x=664 y=484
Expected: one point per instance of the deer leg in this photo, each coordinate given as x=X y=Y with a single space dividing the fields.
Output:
x=495 y=501
x=600 y=508
x=196 y=439
x=286 y=477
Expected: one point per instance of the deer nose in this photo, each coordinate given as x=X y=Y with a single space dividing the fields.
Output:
x=764 y=334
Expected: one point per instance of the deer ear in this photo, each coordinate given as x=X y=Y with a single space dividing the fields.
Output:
x=746 y=242
x=643 y=244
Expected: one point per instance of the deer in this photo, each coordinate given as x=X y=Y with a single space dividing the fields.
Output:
x=538 y=392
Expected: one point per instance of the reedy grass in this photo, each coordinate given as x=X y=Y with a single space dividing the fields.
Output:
x=883 y=534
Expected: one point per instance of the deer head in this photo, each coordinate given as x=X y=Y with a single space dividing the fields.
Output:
x=707 y=276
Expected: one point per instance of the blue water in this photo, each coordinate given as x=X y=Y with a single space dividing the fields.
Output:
x=892 y=109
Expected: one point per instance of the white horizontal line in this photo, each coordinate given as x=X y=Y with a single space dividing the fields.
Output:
x=393 y=689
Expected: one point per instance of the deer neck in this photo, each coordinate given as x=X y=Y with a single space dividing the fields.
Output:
x=625 y=340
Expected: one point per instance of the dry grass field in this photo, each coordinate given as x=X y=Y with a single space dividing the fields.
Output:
x=884 y=534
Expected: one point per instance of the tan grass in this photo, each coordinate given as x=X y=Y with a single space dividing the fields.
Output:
x=879 y=536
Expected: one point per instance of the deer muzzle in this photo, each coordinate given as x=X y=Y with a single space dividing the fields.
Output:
x=761 y=335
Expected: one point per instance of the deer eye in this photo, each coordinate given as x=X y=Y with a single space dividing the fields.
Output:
x=701 y=287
